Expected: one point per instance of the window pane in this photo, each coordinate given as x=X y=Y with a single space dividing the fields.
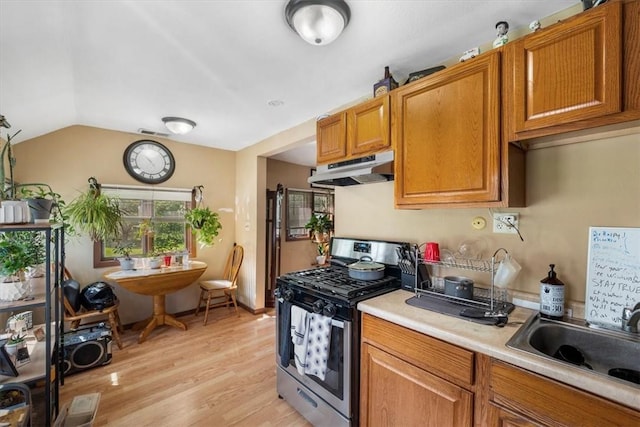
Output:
x=150 y=225
x=301 y=204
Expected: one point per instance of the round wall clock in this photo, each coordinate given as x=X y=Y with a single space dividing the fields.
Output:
x=149 y=161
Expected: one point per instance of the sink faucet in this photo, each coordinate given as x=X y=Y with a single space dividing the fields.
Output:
x=630 y=318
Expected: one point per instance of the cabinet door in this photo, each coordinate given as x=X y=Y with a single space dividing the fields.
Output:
x=368 y=127
x=552 y=403
x=500 y=417
x=396 y=393
x=332 y=138
x=571 y=71
x=446 y=130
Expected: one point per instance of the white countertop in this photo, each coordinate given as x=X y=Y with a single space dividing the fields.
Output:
x=491 y=341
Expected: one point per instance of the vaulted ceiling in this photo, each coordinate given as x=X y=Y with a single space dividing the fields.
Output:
x=123 y=65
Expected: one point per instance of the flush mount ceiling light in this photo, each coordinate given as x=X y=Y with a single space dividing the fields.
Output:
x=318 y=22
x=179 y=125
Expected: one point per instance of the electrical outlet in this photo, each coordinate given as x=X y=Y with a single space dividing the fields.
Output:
x=478 y=223
x=505 y=223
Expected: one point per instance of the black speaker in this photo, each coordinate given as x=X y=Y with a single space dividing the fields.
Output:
x=86 y=348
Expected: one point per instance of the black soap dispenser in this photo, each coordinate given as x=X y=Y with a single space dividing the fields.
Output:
x=552 y=296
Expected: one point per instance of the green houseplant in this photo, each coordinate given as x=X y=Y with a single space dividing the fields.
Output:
x=125 y=260
x=96 y=214
x=15 y=258
x=43 y=201
x=320 y=227
x=204 y=223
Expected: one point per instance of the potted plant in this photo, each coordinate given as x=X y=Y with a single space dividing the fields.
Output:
x=155 y=260
x=42 y=201
x=323 y=247
x=320 y=227
x=15 y=342
x=7 y=191
x=204 y=223
x=14 y=261
x=125 y=260
x=96 y=214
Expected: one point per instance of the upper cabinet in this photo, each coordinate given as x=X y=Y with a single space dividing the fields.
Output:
x=446 y=129
x=576 y=74
x=356 y=132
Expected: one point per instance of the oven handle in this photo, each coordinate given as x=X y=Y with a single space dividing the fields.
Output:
x=334 y=322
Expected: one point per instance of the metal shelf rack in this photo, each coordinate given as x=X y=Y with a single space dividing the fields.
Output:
x=487 y=299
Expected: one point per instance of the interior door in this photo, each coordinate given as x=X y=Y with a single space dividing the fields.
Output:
x=272 y=258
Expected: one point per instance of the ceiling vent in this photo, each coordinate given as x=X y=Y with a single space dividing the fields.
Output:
x=150 y=132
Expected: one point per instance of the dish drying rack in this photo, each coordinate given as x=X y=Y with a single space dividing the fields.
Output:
x=486 y=299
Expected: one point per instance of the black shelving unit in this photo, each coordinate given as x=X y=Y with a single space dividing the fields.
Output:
x=45 y=355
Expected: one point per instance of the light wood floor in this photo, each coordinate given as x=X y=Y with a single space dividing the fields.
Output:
x=222 y=374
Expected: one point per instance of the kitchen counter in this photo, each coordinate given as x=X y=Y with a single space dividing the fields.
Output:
x=491 y=340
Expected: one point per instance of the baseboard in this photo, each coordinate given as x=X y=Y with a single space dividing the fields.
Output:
x=193 y=311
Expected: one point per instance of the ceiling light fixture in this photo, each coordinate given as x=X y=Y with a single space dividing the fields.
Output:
x=179 y=125
x=318 y=22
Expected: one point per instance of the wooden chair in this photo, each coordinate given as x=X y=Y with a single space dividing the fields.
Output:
x=225 y=287
x=74 y=313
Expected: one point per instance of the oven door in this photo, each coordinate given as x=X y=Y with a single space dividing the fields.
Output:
x=335 y=389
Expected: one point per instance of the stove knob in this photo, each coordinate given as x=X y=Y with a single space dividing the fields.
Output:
x=318 y=306
x=287 y=294
x=329 y=310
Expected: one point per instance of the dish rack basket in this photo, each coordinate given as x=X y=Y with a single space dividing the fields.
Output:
x=491 y=300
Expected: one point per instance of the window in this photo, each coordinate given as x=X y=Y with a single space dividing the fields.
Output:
x=154 y=222
x=301 y=204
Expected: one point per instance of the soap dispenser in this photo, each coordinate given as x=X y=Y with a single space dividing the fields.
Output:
x=552 y=296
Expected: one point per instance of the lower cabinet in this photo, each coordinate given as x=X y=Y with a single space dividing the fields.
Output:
x=522 y=398
x=411 y=379
x=400 y=381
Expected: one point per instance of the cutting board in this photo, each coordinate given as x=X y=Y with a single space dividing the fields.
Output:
x=613 y=274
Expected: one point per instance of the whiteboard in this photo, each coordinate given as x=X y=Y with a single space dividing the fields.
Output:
x=613 y=274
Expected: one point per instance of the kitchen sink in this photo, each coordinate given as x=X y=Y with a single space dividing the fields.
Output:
x=610 y=353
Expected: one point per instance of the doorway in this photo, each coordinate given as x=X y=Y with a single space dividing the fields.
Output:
x=273 y=248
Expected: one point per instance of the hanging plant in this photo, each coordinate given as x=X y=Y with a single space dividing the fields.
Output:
x=95 y=213
x=204 y=223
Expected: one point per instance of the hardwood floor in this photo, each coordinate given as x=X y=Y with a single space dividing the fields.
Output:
x=222 y=374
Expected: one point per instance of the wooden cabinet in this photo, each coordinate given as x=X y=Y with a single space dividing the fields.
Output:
x=411 y=379
x=356 y=132
x=521 y=398
x=447 y=132
x=580 y=73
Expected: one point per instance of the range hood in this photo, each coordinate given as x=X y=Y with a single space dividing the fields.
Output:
x=363 y=170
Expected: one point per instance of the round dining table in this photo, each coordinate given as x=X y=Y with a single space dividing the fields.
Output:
x=157 y=283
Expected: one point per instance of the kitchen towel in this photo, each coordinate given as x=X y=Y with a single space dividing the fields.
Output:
x=284 y=350
x=299 y=335
x=318 y=344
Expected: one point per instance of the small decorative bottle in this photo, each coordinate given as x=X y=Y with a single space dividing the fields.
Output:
x=551 y=296
x=385 y=85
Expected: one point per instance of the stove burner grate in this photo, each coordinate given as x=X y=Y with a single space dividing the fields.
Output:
x=336 y=281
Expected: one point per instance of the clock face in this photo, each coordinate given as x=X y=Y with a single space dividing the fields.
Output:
x=149 y=161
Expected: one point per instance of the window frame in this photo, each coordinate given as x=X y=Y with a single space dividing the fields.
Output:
x=314 y=210
x=99 y=261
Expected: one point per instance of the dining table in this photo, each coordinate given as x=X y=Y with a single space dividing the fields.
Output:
x=157 y=282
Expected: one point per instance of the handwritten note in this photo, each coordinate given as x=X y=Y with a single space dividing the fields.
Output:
x=613 y=274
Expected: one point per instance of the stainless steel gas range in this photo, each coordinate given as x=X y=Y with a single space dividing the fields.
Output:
x=318 y=331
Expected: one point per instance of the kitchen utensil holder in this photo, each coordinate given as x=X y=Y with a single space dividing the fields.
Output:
x=483 y=298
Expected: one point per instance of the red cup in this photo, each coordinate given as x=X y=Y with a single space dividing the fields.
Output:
x=167 y=260
x=432 y=252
